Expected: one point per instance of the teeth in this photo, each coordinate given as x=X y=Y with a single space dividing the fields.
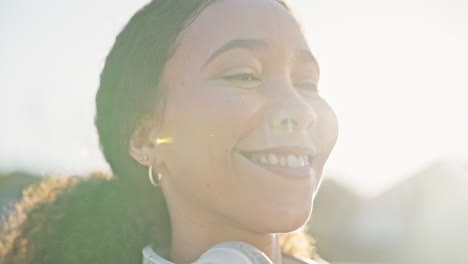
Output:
x=301 y=161
x=290 y=160
x=282 y=161
x=273 y=159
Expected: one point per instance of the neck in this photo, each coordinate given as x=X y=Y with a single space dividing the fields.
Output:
x=194 y=233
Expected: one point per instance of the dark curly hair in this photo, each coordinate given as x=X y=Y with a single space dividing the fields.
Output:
x=109 y=219
x=129 y=90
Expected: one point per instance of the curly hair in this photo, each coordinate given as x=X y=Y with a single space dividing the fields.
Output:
x=103 y=218
x=86 y=219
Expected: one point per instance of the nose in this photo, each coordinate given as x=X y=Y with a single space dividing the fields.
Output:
x=292 y=114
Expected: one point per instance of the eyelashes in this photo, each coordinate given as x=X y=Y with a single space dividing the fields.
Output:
x=243 y=80
x=308 y=86
x=242 y=77
x=249 y=80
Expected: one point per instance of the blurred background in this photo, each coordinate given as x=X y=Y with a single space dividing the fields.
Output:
x=396 y=73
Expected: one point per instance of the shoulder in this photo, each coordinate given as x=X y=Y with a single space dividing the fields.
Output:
x=288 y=259
x=57 y=217
x=298 y=247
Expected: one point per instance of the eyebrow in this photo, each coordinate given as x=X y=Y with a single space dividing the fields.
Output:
x=259 y=44
x=250 y=44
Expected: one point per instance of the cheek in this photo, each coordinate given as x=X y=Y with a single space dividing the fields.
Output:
x=326 y=132
x=230 y=114
x=206 y=124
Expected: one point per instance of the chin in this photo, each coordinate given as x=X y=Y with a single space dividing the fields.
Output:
x=284 y=221
x=289 y=225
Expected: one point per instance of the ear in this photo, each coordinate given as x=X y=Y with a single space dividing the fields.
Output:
x=142 y=145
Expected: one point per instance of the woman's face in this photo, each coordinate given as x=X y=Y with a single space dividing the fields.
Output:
x=250 y=132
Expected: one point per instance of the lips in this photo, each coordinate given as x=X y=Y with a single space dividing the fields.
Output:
x=291 y=162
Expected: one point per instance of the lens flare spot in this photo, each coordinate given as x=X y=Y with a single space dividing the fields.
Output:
x=165 y=140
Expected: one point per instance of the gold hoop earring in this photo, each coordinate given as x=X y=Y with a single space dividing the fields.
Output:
x=151 y=177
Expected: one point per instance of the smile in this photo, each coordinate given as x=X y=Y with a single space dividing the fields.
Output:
x=280 y=160
x=289 y=162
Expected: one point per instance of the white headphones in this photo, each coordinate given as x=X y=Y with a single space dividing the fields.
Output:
x=232 y=252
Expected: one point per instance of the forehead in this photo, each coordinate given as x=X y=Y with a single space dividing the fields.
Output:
x=225 y=20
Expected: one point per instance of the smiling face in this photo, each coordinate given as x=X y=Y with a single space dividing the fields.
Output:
x=250 y=132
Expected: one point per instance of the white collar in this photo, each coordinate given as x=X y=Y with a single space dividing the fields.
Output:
x=151 y=257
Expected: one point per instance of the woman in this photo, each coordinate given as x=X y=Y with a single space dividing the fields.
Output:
x=216 y=102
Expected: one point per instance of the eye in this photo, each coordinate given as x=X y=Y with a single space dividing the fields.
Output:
x=244 y=77
x=243 y=80
x=310 y=88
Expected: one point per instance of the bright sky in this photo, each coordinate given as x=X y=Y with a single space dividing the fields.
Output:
x=396 y=73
